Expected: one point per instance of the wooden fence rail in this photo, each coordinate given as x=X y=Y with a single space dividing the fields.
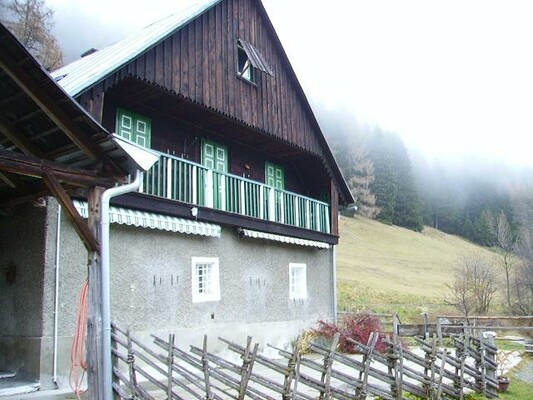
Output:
x=161 y=370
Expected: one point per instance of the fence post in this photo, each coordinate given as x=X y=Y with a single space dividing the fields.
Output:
x=325 y=394
x=170 y=361
x=205 y=367
x=429 y=367
x=247 y=365
x=392 y=360
x=115 y=359
x=481 y=366
x=461 y=351
x=293 y=373
x=131 y=365
x=367 y=359
x=441 y=373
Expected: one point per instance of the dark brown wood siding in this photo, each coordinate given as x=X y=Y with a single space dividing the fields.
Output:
x=199 y=62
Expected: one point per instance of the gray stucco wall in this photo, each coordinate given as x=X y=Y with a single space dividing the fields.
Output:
x=22 y=243
x=151 y=282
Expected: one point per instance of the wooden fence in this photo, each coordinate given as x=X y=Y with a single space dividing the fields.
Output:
x=161 y=370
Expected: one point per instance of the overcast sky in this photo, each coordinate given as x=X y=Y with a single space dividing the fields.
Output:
x=452 y=77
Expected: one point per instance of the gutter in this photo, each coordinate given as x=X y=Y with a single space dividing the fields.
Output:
x=56 y=296
x=107 y=373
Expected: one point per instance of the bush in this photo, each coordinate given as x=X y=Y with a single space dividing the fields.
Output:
x=354 y=326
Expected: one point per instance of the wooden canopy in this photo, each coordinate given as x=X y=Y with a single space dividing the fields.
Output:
x=48 y=144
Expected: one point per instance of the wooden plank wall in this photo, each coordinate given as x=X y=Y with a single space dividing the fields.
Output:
x=199 y=62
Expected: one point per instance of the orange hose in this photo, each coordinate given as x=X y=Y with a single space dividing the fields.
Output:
x=78 y=361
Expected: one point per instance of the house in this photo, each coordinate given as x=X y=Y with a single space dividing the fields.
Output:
x=233 y=232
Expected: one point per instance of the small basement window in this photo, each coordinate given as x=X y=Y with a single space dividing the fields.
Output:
x=205 y=279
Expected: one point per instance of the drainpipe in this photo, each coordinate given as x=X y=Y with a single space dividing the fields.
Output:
x=105 y=280
x=334 y=277
x=56 y=297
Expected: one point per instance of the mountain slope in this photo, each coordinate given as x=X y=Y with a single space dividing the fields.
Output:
x=382 y=267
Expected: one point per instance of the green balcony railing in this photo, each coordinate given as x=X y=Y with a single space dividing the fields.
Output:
x=181 y=180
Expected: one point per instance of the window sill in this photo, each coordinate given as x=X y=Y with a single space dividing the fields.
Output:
x=252 y=83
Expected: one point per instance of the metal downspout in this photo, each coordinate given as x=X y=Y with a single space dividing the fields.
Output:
x=105 y=283
x=56 y=296
x=334 y=277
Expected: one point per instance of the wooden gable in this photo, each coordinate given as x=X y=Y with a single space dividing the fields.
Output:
x=198 y=61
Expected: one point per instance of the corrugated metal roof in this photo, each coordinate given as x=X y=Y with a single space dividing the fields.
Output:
x=81 y=74
x=127 y=216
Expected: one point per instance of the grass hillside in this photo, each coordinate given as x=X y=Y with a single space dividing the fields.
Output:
x=384 y=268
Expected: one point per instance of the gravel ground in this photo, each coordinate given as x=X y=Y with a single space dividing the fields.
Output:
x=526 y=374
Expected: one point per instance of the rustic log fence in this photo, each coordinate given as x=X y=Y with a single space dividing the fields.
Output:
x=160 y=369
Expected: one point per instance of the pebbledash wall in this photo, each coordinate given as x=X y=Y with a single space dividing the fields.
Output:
x=151 y=283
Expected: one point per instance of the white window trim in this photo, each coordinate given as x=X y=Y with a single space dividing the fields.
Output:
x=298 y=290
x=214 y=294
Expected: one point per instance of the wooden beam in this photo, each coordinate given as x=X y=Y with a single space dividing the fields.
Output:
x=21 y=164
x=19 y=139
x=81 y=227
x=38 y=94
x=10 y=180
x=17 y=199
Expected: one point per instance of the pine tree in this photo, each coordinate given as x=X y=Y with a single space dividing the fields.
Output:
x=348 y=143
x=394 y=185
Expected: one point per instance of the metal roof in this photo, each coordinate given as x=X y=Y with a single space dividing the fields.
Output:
x=74 y=78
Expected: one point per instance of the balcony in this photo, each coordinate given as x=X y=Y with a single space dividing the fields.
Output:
x=185 y=181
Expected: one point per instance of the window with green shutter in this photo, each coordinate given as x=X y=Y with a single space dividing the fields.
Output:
x=134 y=127
x=274 y=175
x=215 y=158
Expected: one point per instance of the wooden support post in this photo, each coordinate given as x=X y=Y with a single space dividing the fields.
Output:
x=94 y=319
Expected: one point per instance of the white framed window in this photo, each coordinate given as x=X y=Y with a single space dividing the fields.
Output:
x=205 y=279
x=297 y=281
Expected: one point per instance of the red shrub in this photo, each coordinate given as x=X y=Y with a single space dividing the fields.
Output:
x=354 y=326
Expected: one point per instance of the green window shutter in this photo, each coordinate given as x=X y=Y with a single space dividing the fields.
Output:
x=134 y=127
x=274 y=175
x=214 y=156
